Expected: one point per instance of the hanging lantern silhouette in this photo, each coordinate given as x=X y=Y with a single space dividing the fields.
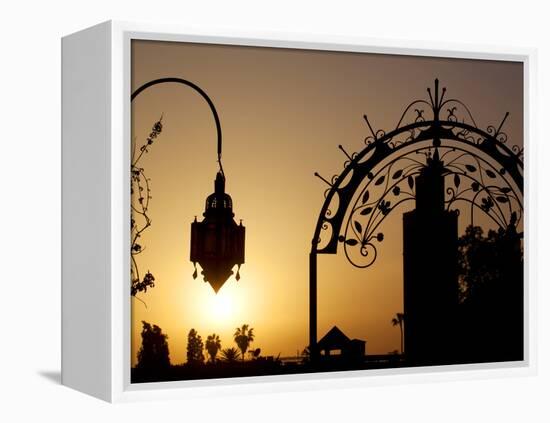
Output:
x=217 y=243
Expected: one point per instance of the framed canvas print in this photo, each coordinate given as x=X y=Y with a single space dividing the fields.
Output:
x=246 y=212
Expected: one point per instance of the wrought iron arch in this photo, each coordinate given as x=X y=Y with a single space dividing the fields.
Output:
x=487 y=174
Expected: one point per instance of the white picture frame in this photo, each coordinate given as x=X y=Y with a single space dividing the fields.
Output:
x=96 y=236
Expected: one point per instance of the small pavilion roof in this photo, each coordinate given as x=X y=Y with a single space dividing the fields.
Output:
x=334 y=339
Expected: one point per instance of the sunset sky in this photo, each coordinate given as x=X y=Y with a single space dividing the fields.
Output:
x=283 y=113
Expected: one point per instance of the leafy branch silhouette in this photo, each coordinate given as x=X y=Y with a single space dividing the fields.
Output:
x=140 y=220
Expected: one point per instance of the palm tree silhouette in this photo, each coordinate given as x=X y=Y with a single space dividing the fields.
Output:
x=230 y=355
x=243 y=337
x=213 y=345
x=398 y=321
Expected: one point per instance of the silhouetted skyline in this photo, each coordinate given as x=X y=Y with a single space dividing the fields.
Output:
x=283 y=113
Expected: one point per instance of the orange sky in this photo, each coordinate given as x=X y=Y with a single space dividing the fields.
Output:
x=283 y=113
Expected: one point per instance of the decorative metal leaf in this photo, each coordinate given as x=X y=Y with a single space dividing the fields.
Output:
x=410 y=181
x=365 y=197
x=396 y=190
x=358 y=226
x=505 y=190
x=380 y=180
x=486 y=203
x=457 y=180
x=502 y=199
x=475 y=186
x=384 y=207
x=370 y=175
x=352 y=242
x=380 y=237
x=366 y=211
x=397 y=174
x=490 y=173
x=470 y=168
x=502 y=171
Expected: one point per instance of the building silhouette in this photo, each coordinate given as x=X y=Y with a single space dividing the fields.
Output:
x=430 y=291
x=335 y=345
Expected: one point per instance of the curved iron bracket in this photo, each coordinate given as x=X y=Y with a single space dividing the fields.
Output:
x=203 y=95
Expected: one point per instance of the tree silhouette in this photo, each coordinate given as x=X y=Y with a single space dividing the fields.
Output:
x=255 y=354
x=140 y=190
x=154 y=353
x=230 y=355
x=194 y=348
x=491 y=294
x=481 y=260
x=243 y=337
x=213 y=345
x=398 y=321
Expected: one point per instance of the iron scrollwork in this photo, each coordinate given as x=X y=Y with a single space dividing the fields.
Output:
x=481 y=171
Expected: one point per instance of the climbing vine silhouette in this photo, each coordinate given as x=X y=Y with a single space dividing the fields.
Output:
x=140 y=220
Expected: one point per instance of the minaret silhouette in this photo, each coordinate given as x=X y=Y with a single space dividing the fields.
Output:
x=430 y=281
